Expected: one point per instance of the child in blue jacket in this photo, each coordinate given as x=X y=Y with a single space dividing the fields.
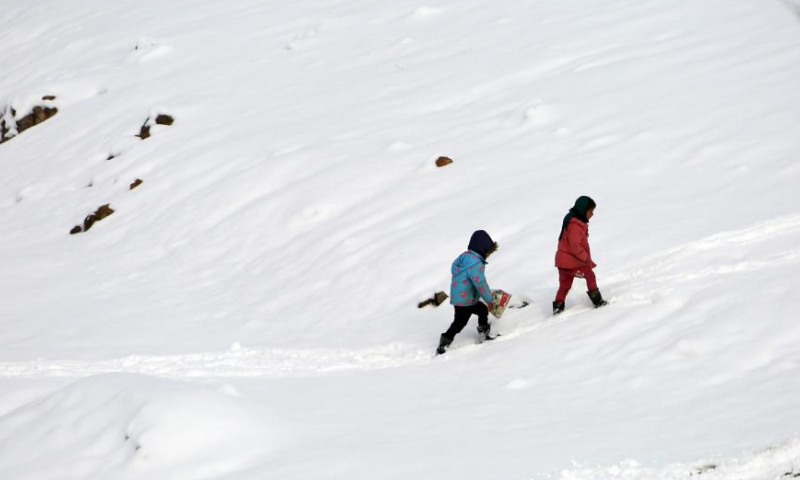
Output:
x=468 y=286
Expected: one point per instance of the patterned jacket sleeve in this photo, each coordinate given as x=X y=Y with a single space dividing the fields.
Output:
x=478 y=279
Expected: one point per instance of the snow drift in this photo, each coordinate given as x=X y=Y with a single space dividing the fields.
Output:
x=131 y=426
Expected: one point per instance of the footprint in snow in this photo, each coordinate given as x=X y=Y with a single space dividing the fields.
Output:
x=147 y=50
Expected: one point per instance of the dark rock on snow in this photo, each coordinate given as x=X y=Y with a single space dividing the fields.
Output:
x=39 y=114
x=102 y=212
x=161 y=119
x=443 y=161
x=437 y=299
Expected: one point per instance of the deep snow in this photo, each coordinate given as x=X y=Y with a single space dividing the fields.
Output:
x=249 y=311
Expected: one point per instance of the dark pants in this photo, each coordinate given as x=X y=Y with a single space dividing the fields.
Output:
x=566 y=276
x=462 y=317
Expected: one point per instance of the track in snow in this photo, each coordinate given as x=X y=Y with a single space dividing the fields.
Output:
x=753 y=248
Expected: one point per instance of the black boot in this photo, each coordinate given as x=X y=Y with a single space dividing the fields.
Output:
x=484 y=332
x=444 y=342
x=596 y=298
x=558 y=307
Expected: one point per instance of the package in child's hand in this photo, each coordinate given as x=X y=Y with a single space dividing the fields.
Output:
x=500 y=301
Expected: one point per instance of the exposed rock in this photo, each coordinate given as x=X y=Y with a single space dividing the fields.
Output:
x=136 y=183
x=49 y=97
x=111 y=156
x=437 y=299
x=161 y=119
x=75 y=229
x=99 y=214
x=443 y=161
x=144 y=132
x=38 y=115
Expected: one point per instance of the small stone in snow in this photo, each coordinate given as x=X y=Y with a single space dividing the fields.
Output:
x=99 y=214
x=164 y=119
x=443 y=161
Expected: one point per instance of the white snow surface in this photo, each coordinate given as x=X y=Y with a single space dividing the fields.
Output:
x=250 y=310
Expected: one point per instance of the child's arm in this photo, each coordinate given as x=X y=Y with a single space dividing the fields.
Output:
x=575 y=242
x=478 y=279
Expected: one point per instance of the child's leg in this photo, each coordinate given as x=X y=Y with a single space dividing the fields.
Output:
x=482 y=311
x=593 y=292
x=460 y=319
x=591 y=279
x=565 y=278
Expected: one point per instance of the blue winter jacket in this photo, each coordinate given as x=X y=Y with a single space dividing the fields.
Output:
x=469 y=273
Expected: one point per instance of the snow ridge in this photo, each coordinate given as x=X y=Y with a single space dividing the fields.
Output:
x=778 y=462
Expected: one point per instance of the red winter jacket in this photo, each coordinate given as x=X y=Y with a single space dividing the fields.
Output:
x=573 y=247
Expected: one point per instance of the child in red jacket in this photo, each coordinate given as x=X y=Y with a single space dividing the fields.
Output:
x=573 y=258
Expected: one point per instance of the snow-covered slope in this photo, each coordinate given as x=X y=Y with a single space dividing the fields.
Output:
x=268 y=267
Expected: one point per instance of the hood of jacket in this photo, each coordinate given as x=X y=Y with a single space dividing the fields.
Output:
x=481 y=243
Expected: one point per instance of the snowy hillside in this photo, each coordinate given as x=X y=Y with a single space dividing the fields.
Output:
x=268 y=214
